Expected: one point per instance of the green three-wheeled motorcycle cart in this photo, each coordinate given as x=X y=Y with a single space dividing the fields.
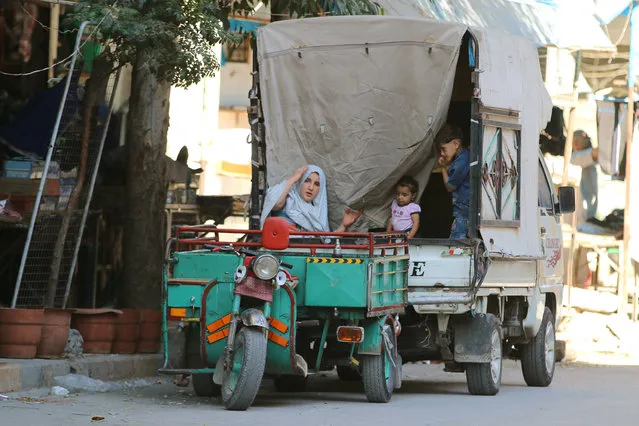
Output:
x=282 y=304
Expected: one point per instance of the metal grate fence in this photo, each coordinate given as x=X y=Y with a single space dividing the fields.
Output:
x=67 y=178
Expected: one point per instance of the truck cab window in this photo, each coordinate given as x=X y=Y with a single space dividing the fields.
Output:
x=545 y=194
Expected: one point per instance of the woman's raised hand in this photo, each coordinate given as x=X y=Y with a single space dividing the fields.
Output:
x=350 y=217
x=298 y=174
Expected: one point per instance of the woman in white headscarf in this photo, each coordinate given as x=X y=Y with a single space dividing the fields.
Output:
x=302 y=200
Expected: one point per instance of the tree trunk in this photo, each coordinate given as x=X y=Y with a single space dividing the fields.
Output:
x=144 y=236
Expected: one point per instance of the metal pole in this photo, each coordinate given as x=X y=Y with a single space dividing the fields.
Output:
x=634 y=293
x=54 y=24
x=626 y=266
x=570 y=265
x=254 y=120
x=632 y=73
x=564 y=178
x=47 y=163
x=571 y=120
x=87 y=202
x=96 y=258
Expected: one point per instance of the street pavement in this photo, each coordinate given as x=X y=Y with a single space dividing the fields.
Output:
x=579 y=395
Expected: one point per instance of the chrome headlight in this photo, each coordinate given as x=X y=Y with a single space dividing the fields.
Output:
x=266 y=266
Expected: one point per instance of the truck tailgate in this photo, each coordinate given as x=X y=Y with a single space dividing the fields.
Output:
x=441 y=271
x=437 y=265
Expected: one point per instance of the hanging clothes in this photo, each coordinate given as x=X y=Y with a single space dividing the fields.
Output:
x=612 y=133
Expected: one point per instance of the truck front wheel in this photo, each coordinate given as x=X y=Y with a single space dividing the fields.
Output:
x=538 y=356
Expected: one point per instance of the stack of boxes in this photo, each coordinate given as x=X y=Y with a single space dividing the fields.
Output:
x=19 y=183
x=51 y=192
x=16 y=185
x=19 y=168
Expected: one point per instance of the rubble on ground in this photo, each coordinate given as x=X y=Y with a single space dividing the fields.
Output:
x=74 y=345
x=591 y=334
x=79 y=383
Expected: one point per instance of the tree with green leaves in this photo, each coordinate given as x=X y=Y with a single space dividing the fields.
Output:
x=169 y=42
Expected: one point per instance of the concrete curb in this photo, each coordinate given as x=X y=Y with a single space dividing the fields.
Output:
x=18 y=375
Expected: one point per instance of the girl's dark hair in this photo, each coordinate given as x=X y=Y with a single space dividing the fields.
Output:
x=409 y=183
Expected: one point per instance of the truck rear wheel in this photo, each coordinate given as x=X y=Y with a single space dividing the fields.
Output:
x=485 y=378
x=538 y=356
x=378 y=371
x=241 y=383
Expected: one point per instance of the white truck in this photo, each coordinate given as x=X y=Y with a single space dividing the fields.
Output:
x=363 y=98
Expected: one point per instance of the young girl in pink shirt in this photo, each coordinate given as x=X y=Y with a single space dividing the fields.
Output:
x=404 y=210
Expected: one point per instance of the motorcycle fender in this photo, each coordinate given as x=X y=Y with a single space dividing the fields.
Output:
x=254 y=318
x=372 y=343
x=218 y=376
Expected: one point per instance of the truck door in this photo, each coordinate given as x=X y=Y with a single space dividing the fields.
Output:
x=549 y=230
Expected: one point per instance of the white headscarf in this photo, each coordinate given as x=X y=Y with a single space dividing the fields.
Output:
x=311 y=216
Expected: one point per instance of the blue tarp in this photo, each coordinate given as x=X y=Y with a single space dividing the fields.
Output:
x=607 y=10
x=241 y=26
x=32 y=127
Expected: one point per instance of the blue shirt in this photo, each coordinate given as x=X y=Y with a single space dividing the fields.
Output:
x=459 y=182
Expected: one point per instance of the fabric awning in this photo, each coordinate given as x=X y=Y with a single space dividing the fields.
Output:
x=568 y=24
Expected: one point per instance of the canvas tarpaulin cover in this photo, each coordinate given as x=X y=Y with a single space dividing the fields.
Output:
x=361 y=97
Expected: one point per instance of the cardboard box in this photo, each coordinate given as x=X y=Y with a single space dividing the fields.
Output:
x=52 y=188
x=23 y=204
x=17 y=186
x=9 y=186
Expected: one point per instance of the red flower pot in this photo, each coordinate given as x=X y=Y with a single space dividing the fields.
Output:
x=55 y=333
x=127 y=332
x=20 y=332
x=150 y=330
x=97 y=327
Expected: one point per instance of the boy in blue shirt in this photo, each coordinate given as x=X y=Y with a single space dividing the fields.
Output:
x=454 y=160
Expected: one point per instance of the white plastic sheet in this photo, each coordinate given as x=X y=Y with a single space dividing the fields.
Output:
x=361 y=97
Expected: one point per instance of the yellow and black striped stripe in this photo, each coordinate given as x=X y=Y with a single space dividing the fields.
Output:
x=333 y=261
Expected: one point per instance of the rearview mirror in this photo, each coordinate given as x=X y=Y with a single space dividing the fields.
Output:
x=566 y=199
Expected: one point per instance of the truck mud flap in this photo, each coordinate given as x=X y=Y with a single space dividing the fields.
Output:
x=473 y=338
